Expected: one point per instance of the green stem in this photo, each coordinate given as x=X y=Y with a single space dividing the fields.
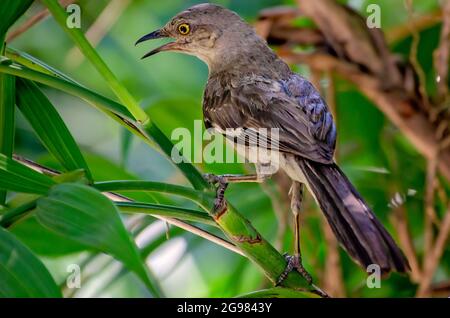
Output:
x=166 y=210
x=91 y=54
x=203 y=199
x=35 y=64
x=279 y=292
x=7 y=118
x=15 y=214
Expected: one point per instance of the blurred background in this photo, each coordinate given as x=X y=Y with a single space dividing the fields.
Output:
x=381 y=162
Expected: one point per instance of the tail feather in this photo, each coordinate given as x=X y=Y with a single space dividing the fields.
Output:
x=352 y=221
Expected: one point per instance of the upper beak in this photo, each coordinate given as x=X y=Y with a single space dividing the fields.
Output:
x=158 y=34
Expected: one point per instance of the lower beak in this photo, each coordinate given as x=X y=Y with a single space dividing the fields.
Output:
x=158 y=34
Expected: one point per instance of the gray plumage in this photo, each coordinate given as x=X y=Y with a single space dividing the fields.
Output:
x=249 y=87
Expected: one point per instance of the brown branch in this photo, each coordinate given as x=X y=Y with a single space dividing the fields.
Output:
x=28 y=24
x=275 y=25
x=413 y=56
x=347 y=33
x=434 y=257
x=441 y=55
x=421 y=22
x=333 y=278
x=430 y=215
x=400 y=222
x=400 y=110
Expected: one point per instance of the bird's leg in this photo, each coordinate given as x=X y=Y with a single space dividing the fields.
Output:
x=295 y=261
x=222 y=181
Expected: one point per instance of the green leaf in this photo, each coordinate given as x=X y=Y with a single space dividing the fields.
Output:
x=37 y=237
x=49 y=126
x=7 y=121
x=14 y=214
x=86 y=216
x=166 y=210
x=10 y=11
x=117 y=111
x=16 y=177
x=66 y=86
x=21 y=273
x=35 y=64
x=126 y=141
x=91 y=54
x=279 y=292
x=202 y=198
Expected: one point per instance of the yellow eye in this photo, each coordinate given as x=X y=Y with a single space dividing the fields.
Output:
x=184 y=28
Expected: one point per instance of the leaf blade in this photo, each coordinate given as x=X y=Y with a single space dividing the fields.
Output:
x=7 y=119
x=49 y=126
x=86 y=216
x=17 y=177
x=10 y=11
x=19 y=267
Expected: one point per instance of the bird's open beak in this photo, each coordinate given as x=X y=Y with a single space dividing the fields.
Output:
x=158 y=34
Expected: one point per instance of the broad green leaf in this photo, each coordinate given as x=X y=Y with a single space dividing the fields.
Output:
x=49 y=126
x=37 y=237
x=6 y=120
x=10 y=11
x=13 y=214
x=16 y=177
x=84 y=215
x=21 y=273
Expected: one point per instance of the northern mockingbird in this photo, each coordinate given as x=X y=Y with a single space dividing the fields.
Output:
x=250 y=88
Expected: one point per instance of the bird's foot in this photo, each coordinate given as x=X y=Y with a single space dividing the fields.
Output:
x=221 y=185
x=294 y=262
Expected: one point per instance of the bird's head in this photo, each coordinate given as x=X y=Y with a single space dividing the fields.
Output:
x=207 y=31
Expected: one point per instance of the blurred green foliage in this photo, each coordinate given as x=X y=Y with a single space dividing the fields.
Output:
x=377 y=158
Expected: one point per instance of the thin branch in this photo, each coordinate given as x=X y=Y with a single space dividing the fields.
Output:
x=28 y=24
x=414 y=125
x=332 y=275
x=430 y=215
x=434 y=256
x=413 y=56
x=441 y=55
x=422 y=22
x=400 y=222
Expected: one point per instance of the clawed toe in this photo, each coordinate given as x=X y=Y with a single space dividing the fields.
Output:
x=294 y=263
x=219 y=181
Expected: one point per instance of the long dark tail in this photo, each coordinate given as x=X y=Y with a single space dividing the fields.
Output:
x=352 y=221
